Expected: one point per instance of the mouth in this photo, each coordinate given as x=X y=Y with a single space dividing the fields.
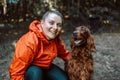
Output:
x=80 y=43
x=53 y=32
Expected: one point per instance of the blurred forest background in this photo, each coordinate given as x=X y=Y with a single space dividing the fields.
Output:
x=95 y=12
x=101 y=16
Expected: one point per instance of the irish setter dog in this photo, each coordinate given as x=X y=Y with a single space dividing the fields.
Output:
x=80 y=64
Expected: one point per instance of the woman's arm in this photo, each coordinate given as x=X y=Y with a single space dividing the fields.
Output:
x=62 y=51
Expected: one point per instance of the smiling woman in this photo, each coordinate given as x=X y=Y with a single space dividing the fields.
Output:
x=51 y=25
x=36 y=50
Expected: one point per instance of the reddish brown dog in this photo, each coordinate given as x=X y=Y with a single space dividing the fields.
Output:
x=80 y=64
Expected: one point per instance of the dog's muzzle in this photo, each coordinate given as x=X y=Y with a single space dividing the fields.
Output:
x=80 y=43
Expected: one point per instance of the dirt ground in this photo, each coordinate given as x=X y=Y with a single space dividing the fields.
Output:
x=106 y=58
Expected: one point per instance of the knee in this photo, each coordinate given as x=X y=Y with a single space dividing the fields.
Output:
x=63 y=77
x=58 y=75
x=33 y=73
x=35 y=70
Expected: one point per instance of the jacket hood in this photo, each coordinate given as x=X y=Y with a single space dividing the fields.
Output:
x=35 y=27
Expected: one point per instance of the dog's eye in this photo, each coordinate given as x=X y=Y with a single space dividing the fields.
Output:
x=75 y=38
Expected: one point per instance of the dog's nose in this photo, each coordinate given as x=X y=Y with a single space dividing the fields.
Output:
x=75 y=33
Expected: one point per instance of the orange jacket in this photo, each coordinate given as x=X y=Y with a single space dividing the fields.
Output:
x=33 y=48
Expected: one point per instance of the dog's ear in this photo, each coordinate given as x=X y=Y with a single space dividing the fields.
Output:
x=72 y=43
x=92 y=44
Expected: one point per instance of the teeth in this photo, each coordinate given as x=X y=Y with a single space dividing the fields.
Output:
x=53 y=32
x=77 y=41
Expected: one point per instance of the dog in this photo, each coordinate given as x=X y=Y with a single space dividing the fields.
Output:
x=80 y=64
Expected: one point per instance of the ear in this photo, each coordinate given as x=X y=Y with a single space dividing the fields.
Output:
x=72 y=43
x=92 y=44
x=42 y=21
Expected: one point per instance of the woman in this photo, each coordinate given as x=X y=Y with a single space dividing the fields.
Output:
x=36 y=50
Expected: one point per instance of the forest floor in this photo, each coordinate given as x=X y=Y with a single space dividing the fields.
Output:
x=106 y=58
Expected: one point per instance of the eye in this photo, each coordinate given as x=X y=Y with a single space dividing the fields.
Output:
x=59 y=25
x=75 y=38
x=51 y=22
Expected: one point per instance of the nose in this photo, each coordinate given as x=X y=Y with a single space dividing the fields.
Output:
x=55 y=27
x=74 y=33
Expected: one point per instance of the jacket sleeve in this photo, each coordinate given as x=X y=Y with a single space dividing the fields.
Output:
x=21 y=60
x=62 y=51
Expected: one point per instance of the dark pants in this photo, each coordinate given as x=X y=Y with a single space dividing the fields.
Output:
x=38 y=73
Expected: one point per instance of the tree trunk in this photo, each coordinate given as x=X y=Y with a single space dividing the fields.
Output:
x=4 y=7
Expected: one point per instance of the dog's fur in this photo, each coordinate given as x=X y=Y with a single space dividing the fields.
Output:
x=80 y=64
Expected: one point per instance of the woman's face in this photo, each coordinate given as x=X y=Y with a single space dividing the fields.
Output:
x=52 y=26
